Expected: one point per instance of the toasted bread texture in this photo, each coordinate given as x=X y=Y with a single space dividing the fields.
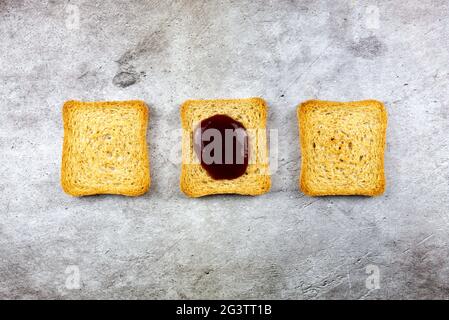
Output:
x=105 y=149
x=342 y=147
x=252 y=113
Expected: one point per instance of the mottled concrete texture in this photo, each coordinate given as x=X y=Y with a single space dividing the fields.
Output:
x=279 y=245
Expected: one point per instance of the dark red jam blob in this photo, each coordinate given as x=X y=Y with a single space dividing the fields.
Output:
x=221 y=144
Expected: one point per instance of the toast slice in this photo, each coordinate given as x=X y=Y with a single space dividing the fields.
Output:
x=342 y=146
x=105 y=149
x=252 y=113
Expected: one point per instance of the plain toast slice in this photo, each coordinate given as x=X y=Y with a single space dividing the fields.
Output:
x=342 y=147
x=105 y=149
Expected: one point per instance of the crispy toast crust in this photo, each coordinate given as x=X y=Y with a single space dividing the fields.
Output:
x=76 y=189
x=302 y=114
x=194 y=180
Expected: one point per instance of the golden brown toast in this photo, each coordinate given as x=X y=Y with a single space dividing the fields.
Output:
x=252 y=113
x=105 y=149
x=342 y=146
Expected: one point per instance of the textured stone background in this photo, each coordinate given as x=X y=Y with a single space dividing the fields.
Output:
x=279 y=245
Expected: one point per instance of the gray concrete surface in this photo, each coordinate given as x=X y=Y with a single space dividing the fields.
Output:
x=279 y=245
